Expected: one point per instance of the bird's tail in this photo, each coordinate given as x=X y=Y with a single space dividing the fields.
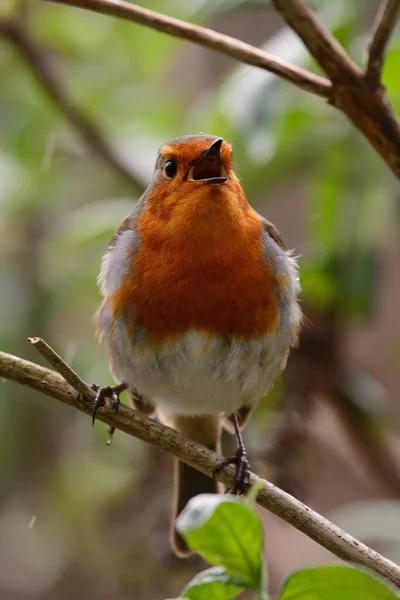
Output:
x=187 y=481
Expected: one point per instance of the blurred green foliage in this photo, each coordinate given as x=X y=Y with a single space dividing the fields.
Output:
x=59 y=205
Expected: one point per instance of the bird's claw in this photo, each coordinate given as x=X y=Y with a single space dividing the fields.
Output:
x=104 y=394
x=242 y=474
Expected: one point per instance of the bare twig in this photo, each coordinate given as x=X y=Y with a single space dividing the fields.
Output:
x=367 y=108
x=270 y=497
x=38 y=61
x=323 y=46
x=348 y=91
x=60 y=366
x=384 y=25
x=211 y=39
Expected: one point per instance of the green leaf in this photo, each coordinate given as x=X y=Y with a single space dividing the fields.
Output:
x=227 y=533
x=338 y=582
x=214 y=583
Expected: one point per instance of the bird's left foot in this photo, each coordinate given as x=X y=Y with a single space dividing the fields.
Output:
x=242 y=475
x=107 y=395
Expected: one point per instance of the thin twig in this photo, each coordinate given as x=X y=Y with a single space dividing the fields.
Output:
x=38 y=61
x=385 y=22
x=321 y=43
x=270 y=497
x=348 y=91
x=368 y=109
x=60 y=366
x=207 y=37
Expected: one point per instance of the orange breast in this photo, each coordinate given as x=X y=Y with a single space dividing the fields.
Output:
x=217 y=282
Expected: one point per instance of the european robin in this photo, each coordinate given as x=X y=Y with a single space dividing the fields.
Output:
x=199 y=305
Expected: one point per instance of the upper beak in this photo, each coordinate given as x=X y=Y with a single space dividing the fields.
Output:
x=209 y=168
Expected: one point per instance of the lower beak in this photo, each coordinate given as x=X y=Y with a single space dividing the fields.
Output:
x=209 y=168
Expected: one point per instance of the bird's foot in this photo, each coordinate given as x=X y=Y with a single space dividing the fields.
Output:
x=241 y=482
x=242 y=475
x=105 y=396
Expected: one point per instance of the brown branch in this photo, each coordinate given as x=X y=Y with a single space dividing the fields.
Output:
x=349 y=92
x=60 y=366
x=385 y=22
x=366 y=107
x=210 y=39
x=37 y=59
x=323 y=46
x=270 y=497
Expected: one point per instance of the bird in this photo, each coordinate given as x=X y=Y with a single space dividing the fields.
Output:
x=200 y=307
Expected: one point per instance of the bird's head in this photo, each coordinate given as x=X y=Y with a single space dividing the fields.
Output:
x=194 y=179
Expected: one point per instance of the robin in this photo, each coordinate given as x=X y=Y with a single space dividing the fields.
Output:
x=199 y=306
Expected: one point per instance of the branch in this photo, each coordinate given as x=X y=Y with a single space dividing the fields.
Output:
x=348 y=91
x=323 y=46
x=384 y=24
x=38 y=62
x=366 y=107
x=132 y=422
x=210 y=39
x=60 y=366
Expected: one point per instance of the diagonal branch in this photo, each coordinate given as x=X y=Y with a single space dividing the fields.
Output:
x=383 y=27
x=368 y=109
x=210 y=39
x=38 y=62
x=60 y=366
x=132 y=422
x=321 y=43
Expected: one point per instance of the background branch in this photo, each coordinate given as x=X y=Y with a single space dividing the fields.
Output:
x=366 y=107
x=384 y=25
x=208 y=38
x=270 y=497
x=38 y=61
x=323 y=46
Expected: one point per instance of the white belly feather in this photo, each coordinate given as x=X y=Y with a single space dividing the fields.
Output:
x=197 y=373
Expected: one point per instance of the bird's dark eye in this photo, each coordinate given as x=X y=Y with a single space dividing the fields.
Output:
x=171 y=168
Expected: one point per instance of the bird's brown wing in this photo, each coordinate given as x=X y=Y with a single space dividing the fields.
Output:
x=272 y=231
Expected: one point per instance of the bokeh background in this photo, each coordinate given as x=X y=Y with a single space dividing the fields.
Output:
x=78 y=518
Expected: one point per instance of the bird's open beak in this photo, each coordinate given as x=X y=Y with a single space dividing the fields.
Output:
x=209 y=168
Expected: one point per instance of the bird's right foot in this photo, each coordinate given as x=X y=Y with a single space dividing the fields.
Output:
x=107 y=395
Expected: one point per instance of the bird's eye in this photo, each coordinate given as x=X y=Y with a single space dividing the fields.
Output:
x=171 y=168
